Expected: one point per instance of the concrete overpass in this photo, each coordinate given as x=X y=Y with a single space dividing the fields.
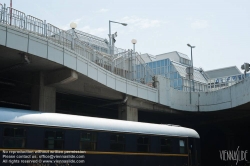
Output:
x=65 y=69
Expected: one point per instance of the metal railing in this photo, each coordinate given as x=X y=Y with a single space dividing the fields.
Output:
x=124 y=63
x=223 y=82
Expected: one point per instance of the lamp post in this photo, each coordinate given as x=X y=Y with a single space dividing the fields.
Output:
x=124 y=24
x=134 y=41
x=73 y=26
x=192 y=67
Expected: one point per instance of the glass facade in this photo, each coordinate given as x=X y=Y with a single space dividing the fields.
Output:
x=167 y=69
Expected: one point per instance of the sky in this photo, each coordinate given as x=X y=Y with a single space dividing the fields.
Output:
x=218 y=28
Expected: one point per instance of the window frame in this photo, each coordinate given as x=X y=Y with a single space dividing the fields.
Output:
x=55 y=140
x=144 y=144
x=117 y=142
x=171 y=146
x=14 y=137
x=91 y=141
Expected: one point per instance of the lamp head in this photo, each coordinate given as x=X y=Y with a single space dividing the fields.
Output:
x=73 y=25
x=133 y=41
x=190 y=46
x=124 y=24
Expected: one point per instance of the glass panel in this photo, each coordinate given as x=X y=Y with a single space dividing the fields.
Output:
x=151 y=65
x=154 y=64
x=182 y=146
x=158 y=64
x=162 y=70
x=166 y=70
x=19 y=132
x=88 y=145
x=171 y=75
x=140 y=140
x=120 y=139
x=88 y=141
x=162 y=62
x=143 y=144
x=9 y=132
x=175 y=83
x=50 y=134
x=54 y=140
x=175 y=75
x=166 y=145
x=117 y=142
x=158 y=70
x=179 y=82
x=59 y=135
x=10 y=142
x=59 y=144
x=166 y=62
x=154 y=70
x=113 y=137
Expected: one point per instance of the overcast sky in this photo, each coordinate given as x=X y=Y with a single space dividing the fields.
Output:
x=220 y=29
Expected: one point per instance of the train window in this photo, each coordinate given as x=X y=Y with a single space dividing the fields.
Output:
x=166 y=145
x=182 y=144
x=14 y=138
x=143 y=143
x=117 y=142
x=88 y=141
x=54 y=140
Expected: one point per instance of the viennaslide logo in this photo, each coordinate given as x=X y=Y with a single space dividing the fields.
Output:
x=233 y=155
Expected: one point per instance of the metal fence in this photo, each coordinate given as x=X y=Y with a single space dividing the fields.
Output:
x=124 y=63
x=223 y=82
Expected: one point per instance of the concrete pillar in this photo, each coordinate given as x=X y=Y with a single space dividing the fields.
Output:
x=43 y=98
x=128 y=113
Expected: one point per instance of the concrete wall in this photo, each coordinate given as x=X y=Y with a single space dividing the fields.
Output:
x=226 y=98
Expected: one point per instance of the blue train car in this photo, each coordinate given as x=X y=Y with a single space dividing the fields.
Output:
x=55 y=139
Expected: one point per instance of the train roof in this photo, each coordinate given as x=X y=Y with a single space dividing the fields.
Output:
x=17 y=116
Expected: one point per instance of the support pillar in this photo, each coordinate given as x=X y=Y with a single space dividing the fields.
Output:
x=43 y=97
x=126 y=112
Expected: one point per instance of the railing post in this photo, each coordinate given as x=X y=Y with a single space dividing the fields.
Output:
x=73 y=41
x=94 y=56
x=4 y=14
x=25 y=22
x=1 y=13
x=45 y=28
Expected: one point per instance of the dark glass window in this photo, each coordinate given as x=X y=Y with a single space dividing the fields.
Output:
x=143 y=144
x=14 y=138
x=117 y=142
x=182 y=144
x=166 y=145
x=88 y=141
x=54 y=140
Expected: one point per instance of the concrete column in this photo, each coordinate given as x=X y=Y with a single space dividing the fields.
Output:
x=128 y=113
x=43 y=97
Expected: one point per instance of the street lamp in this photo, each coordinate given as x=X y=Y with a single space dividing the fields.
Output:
x=124 y=24
x=192 y=68
x=73 y=25
x=134 y=41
